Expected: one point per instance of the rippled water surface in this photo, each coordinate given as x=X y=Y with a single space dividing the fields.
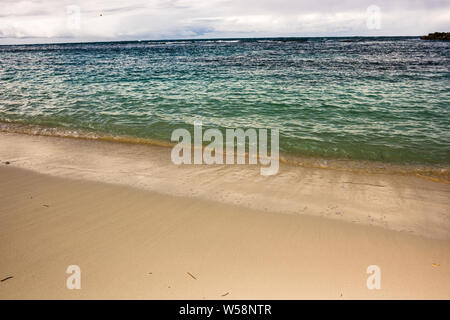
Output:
x=382 y=99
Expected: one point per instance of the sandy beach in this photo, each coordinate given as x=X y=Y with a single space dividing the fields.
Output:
x=140 y=227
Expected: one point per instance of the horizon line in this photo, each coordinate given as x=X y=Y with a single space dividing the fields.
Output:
x=204 y=39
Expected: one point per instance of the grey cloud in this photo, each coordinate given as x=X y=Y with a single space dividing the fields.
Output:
x=46 y=20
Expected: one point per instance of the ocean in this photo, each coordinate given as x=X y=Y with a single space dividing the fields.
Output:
x=365 y=100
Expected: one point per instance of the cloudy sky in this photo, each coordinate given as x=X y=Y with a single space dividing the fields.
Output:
x=45 y=21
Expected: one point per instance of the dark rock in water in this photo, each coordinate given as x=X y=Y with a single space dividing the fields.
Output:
x=443 y=36
x=7 y=162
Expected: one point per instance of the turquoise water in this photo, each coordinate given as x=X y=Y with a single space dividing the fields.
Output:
x=380 y=99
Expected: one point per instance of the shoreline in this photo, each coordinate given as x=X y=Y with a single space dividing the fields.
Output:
x=401 y=203
x=136 y=244
x=435 y=173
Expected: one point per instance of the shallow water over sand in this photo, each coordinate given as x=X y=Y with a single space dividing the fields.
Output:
x=370 y=99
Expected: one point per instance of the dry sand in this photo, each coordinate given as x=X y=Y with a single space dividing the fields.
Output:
x=137 y=226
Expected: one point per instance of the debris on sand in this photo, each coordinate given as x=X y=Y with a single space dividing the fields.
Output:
x=7 y=278
x=193 y=277
x=435 y=264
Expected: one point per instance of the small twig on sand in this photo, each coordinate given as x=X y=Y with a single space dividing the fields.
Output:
x=7 y=278
x=193 y=277
x=367 y=184
x=225 y=294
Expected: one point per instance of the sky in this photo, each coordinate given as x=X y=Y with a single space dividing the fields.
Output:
x=50 y=21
